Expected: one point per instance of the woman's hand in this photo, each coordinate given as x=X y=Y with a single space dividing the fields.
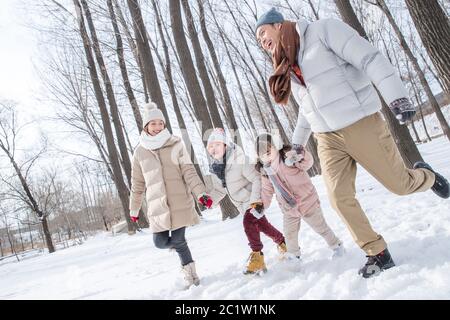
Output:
x=134 y=215
x=205 y=200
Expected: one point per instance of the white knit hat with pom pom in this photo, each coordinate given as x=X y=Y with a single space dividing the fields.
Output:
x=151 y=112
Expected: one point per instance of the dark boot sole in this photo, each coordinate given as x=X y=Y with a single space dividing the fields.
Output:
x=255 y=272
x=443 y=194
x=377 y=270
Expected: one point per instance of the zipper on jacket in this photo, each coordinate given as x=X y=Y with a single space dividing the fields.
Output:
x=157 y=152
x=226 y=188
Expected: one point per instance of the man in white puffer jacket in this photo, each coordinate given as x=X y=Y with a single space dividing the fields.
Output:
x=331 y=72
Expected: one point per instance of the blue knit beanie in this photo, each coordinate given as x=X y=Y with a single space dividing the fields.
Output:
x=271 y=16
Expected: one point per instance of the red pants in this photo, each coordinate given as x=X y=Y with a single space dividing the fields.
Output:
x=253 y=228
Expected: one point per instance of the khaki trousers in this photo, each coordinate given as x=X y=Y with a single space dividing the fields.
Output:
x=315 y=219
x=369 y=143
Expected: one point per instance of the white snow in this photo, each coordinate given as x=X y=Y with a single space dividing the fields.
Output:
x=432 y=123
x=416 y=227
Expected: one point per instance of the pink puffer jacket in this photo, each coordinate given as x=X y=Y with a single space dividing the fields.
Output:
x=296 y=181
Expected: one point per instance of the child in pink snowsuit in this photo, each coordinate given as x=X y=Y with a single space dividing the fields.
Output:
x=284 y=173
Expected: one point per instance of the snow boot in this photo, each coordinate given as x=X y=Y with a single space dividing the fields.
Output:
x=255 y=263
x=376 y=264
x=338 y=251
x=282 y=249
x=441 y=186
x=293 y=256
x=190 y=275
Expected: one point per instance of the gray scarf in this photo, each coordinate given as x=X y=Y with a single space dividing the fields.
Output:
x=279 y=187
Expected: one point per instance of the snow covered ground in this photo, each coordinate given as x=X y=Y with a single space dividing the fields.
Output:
x=432 y=123
x=416 y=227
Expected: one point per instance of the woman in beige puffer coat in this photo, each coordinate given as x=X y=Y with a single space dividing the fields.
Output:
x=162 y=171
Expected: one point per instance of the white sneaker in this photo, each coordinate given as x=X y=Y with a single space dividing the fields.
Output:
x=338 y=251
x=294 y=256
x=190 y=275
x=293 y=262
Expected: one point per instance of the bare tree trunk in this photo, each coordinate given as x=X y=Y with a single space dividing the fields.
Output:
x=191 y=81
x=41 y=235
x=400 y=134
x=123 y=68
x=47 y=234
x=257 y=104
x=84 y=194
x=20 y=236
x=133 y=47
x=112 y=151
x=280 y=127
x=31 y=235
x=431 y=98
x=263 y=91
x=433 y=73
x=423 y=124
x=419 y=103
x=167 y=67
x=98 y=142
x=126 y=163
x=415 y=132
x=31 y=201
x=258 y=75
x=125 y=132
x=261 y=82
x=222 y=82
x=433 y=26
x=201 y=67
x=316 y=14
x=10 y=240
x=150 y=75
x=188 y=69
x=238 y=79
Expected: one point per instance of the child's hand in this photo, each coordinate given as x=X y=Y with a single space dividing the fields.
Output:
x=257 y=210
x=293 y=156
x=205 y=200
x=256 y=214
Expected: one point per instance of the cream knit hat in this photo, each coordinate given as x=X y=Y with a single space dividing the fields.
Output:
x=151 y=112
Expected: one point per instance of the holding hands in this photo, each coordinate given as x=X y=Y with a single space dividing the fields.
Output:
x=257 y=209
x=134 y=215
x=295 y=155
x=205 y=200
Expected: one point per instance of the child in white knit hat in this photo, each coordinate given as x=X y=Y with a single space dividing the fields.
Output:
x=235 y=176
x=163 y=171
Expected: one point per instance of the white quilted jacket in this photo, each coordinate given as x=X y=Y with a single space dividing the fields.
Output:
x=339 y=67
